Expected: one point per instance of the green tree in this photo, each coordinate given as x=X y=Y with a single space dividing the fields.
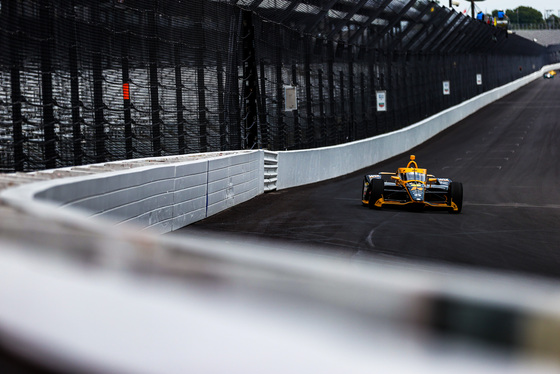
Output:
x=553 y=22
x=523 y=15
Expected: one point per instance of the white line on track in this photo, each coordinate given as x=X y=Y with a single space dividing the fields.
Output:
x=369 y=238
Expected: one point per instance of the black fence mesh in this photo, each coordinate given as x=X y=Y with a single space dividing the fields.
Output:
x=95 y=81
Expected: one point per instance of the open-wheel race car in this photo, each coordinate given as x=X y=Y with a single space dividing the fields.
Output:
x=549 y=74
x=412 y=186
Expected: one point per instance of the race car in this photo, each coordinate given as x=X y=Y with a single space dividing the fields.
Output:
x=549 y=74
x=413 y=187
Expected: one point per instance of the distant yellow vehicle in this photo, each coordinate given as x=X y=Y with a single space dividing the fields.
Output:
x=549 y=74
x=412 y=186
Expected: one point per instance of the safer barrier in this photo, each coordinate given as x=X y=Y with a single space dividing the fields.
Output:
x=161 y=194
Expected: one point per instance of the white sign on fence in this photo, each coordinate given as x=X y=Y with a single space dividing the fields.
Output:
x=479 y=79
x=290 y=98
x=446 y=88
x=381 y=101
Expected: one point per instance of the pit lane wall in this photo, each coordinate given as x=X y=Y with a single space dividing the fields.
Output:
x=296 y=168
x=162 y=194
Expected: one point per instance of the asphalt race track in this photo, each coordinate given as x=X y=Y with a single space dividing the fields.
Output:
x=506 y=155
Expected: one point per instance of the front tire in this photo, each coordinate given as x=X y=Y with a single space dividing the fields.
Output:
x=455 y=194
x=377 y=187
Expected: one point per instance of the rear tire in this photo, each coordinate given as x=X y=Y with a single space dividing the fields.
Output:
x=455 y=194
x=377 y=187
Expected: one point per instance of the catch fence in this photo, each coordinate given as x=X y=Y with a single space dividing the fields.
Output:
x=92 y=81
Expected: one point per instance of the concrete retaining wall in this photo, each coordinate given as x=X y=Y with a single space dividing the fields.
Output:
x=296 y=168
x=163 y=197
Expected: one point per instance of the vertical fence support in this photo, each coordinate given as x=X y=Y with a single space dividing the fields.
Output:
x=310 y=133
x=332 y=105
x=373 y=130
x=221 y=103
x=322 y=117
x=405 y=90
x=179 y=100
x=387 y=84
x=342 y=134
x=197 y=14
x=295 y=113
x=126 y=103
x=97 y=74
x=15 y=84
x=46 y=85
x=250 y=83
x=262 y=107
x=281 y=134
x=383 y=85
x=351 y=99
x=231 y=126
x=125 y=77
x=432 y=78
x=17 y=118
x=75 y=96
x=363 y=107
x=416 y=76
x=154 y=82
x=202 y=121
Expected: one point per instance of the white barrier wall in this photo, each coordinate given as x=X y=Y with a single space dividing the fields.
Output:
x=163 y=197
x=296 y=168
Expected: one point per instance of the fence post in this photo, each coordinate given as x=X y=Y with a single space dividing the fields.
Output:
x=342 y=135
x=126 y=102
x=75 y=94
x=310 y=133
x=363 y=126
x=330 y=78
x=322 y=117
x=250 y=82
x=372 y=130
x=280 y=135
x=153 y=71
x=97 y=73
x=387 y=84
x=351 y=100
x=221 y=104
x=46 y=84
x=15 y=84
x=179 y=100
x=261 y=101
x=232 y=124
x=295 y=113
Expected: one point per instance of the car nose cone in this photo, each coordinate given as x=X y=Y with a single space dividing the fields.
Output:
x=416 y=192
